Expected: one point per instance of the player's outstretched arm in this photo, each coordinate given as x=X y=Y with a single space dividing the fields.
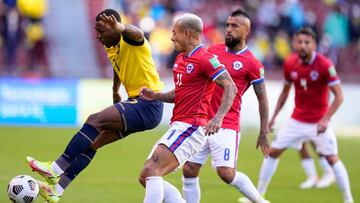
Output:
x=128 y=30
x=335 y=104
x=149 y=94
x=262 y=141
x=280 y=104
x=230 y=90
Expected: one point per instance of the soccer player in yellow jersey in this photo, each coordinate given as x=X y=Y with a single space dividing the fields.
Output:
x=130 y=55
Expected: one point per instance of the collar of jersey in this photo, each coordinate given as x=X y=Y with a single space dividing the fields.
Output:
x=194 y=50
x=239 y=52
x=312 y=58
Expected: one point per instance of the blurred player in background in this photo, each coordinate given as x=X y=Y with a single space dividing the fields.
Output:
x=312 y=75
x=130 y=55
x=194 y=70
x=245 y=70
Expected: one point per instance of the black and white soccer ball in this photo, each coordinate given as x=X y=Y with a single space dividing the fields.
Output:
x=23 y=189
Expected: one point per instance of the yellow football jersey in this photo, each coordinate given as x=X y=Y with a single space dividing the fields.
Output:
x=134 y=65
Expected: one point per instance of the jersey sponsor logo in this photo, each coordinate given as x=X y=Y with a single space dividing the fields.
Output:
x=237 y=65
x=293 y=75
x=314 y=75
x=214 y=62
x=189 y=68
x=332 y=71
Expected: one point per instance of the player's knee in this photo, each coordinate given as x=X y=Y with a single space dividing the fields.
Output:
x=227 y=174
x=332 y=159
x=191 y=170
x=141 y=180
x=275 y=153
x=93 y=119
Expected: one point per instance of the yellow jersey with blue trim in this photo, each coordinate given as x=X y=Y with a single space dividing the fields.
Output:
x=134 y=65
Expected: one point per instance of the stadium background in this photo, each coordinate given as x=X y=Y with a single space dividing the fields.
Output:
x=54 y=73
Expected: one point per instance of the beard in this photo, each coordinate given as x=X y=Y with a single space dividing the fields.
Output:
x=232 y=42
x=303 y=55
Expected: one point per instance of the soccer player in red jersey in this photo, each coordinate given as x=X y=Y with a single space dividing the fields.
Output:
x=245 y=70
x=196 y=73
x=313 y=75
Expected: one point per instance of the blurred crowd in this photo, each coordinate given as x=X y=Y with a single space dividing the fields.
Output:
x=22 y=39
x=336 y=22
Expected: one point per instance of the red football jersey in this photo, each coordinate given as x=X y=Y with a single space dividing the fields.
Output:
x=193 y=78
x=245 y=70
x=311 y=83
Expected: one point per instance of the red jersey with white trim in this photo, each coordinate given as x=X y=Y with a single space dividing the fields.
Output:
x=193 y=78
x=311 y=82
x=245 y=70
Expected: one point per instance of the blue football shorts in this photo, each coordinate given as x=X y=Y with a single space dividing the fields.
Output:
x=139 y=114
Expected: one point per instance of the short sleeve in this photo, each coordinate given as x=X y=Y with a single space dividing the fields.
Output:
x=332 y=77
x=256 y=73
x=211 y=67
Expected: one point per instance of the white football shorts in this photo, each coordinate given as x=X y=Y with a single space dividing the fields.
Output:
x=223 y=148
x=293 y=133
x=183 y=140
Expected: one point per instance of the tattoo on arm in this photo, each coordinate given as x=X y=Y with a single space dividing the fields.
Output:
x=261 y=95
x=168 y=97
x=230 y=90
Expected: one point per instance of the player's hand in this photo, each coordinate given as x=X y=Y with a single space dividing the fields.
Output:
x=322 y=125
x=213 y=126
x=271 y=125
x=111 y=20
x=116 y=97
x=263 y=143
x=147 y=93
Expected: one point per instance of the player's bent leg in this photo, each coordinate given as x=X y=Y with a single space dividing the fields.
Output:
x=162 y=162
x=191 y=187
x=241 y=182
x=342 y=177
x=106 y=137
x=268 y=169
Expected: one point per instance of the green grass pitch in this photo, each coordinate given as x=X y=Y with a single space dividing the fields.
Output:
x=112 y=176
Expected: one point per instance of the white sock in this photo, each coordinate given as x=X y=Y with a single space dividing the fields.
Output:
x=171 y=194
x=59 y=190
x=325 y=166
x=309 y=167
x=267 y=170
x=243 y=184
x=154 y=192
x=191 y=190
x=56 y=168
x=342 y=179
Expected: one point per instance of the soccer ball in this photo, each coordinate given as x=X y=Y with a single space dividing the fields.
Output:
x=23 y=189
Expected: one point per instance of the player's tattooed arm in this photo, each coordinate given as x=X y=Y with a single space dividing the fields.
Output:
x=149 y=94
x=262 y=141
x=168 y=97
x=230 y=90
x=116 y=86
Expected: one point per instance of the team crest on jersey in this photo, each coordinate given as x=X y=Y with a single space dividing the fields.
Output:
x=293 y=75
x=314 y=75
x=189 y=68
x=237 y=65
